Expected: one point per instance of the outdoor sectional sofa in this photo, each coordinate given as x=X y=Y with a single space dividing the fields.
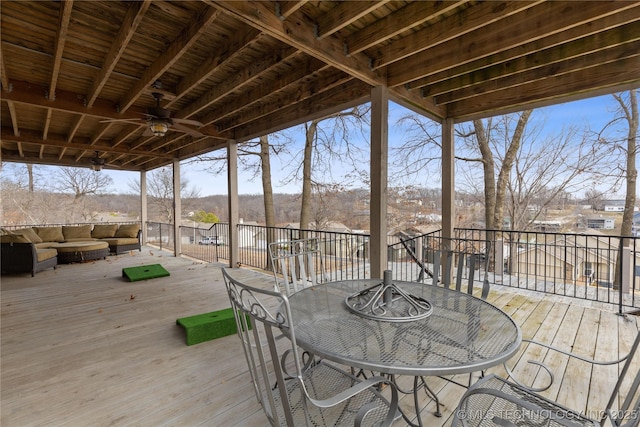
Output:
x=33 y=249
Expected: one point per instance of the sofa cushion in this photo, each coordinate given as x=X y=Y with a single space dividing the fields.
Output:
x=128 y=230
x=104 y=231
x=14 y=238
x=50 y=234
x=29 y=233
x=76 y=232
x=45 y=254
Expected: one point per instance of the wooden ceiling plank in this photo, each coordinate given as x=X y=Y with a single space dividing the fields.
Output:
x=510 y=57
x=285 y=9
x=479 y=16
x=315 y=89
x=128 y=28
x=99 y=132
x=343 y=14
x=256 y=95
x=20 y=152
x=14 y=118
x=410 y=16
x=501 y=36
x=77 y=121
x=297 y=31
x=171 y=55
x=61 y=153
x=602 y=79
x=232 y=50
x=4 y=78
x=58 y=140
x=349 y=95
x=239 y=79
x=69 y=102
x=7 y=87
x=529 y=74
x=47 y=123
x=126 y=133
x=418 y=102
x=61 y=38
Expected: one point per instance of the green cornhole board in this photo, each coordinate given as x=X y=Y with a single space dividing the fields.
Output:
x=208 y=326
x=144 y=272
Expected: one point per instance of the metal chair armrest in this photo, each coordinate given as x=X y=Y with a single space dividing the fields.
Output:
x=359 y=387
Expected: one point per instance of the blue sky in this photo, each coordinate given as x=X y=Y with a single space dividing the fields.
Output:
x=594 y=112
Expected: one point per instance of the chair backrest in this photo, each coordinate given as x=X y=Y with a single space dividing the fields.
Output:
x=627 y=391
x=258 y=312
x=296 y=264
x=466 y=262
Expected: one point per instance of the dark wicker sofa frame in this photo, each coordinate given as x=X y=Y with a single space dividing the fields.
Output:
x=23 y=258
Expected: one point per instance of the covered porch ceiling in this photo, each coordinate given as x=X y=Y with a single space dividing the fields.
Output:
x=78 y=77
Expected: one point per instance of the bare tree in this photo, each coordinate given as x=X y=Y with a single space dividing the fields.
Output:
x=627 y=115
x=327 y=145
x=160 y=192
x=81 y=182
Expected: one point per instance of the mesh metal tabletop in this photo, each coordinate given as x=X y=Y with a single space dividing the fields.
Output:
x=463 y=334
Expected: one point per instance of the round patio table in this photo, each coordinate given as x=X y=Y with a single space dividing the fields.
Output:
x=463 y=333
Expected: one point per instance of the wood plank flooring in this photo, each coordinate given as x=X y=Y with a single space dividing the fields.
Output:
x=80 y=346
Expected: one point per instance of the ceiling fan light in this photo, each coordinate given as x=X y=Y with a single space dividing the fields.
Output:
x=96 y=167
x=158 y=128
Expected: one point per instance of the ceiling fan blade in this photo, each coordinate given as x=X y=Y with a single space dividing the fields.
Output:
x=121 y=120
x=147 y=132
x=190 y=131
x=188 y=122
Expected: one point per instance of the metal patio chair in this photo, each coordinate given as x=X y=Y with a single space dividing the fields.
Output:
x=494 y=401
x=465 y=261
x=320 y=395
x=296 y=264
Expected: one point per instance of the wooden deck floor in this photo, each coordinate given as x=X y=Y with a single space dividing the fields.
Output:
x=81 y=346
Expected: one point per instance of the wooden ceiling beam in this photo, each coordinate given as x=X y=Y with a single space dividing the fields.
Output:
x=541 y=21
x=569 y=65
x=256 y=95
x=574 y=49
x=285 y=9
x=343 y=14
x=298 y=31
x=316 y=89
x=239 y=79
x=128 y=28
x=68 y=102
x=61 y=38
x=410 y=16
x=479 y=17
x=189 y=35
x=56 y=140
x=345 y=96
x=511 y=60
x=232 y=50
x=599 y=80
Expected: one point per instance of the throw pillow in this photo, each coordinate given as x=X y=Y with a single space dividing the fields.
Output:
x=9 y=236
x=29 y=233
x=128 y=230
x=76 y=232
x=104 y=231
x=50 y=234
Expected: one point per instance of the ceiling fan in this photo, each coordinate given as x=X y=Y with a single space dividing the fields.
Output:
x=97 y=162
x=159 y=119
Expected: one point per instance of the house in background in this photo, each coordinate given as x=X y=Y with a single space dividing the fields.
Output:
x=614 y=205
x=600 y=223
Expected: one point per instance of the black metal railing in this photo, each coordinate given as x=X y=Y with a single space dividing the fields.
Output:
x=586 y=266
